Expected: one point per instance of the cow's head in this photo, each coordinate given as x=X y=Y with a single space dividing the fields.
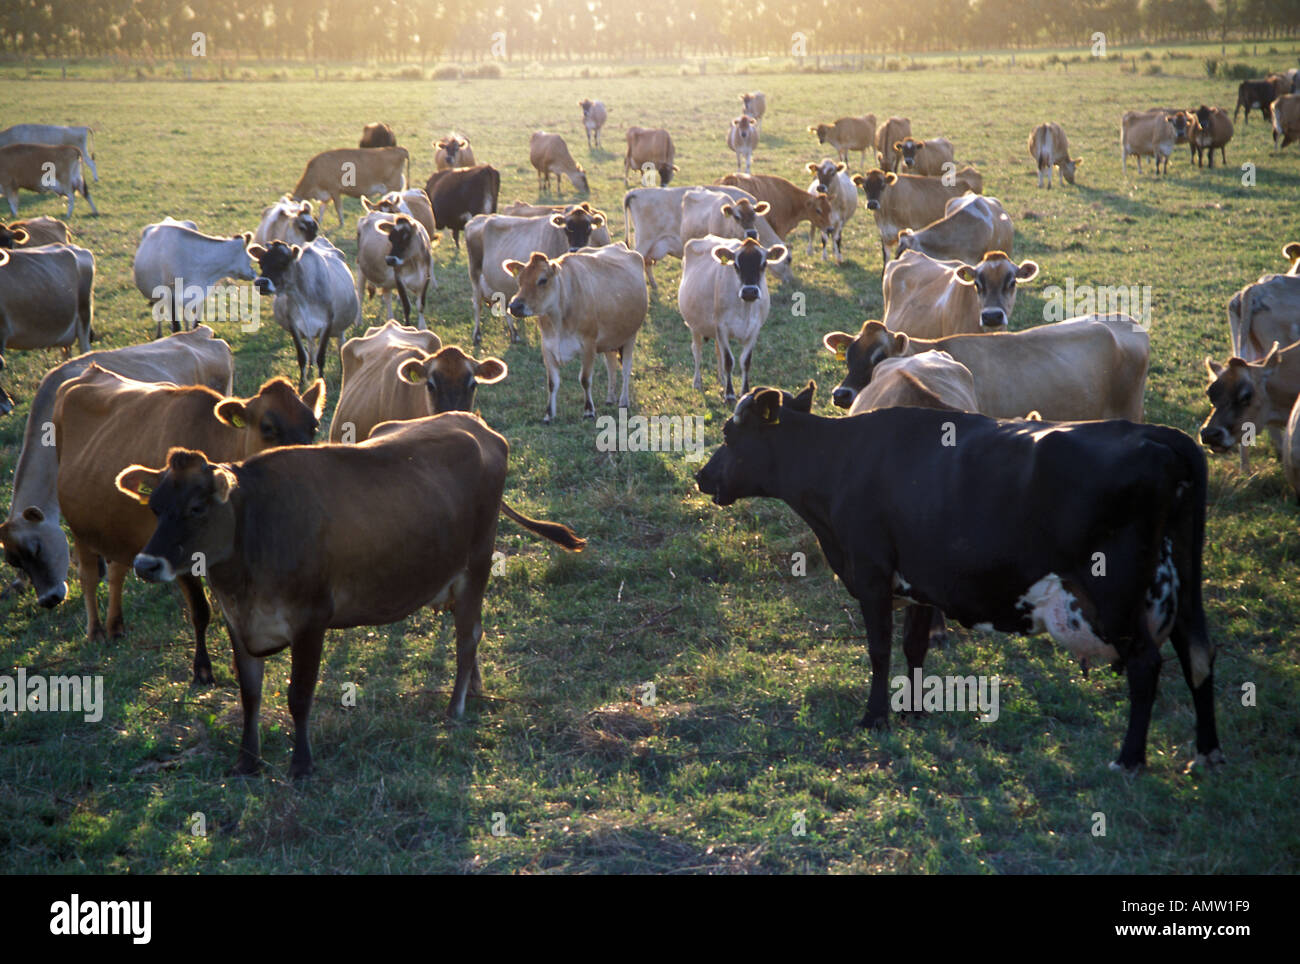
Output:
x=585 y=104
x=744 y=125
x=817 y=209
x=191 y=498
x=752 y=451
x=861 y=354
x=577 y=223
x=453 y=145
x=405 y=239
x=873 y=185
x=536 y=279
x=305 y=221
x=749 y=259
x=276 y=262
x=451 y=377
x=821 y=130
x=1068 y=167
x=276 y=415
x=908 y=148
x=746 y=214
x=579 y=179
x=13 y=237
x=825 y=172
x=749 y=100
x=994 y=280
x=1178 y=120
x=666 y=172
x=1237 y=392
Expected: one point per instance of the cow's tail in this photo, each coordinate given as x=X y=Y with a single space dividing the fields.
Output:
x=408 y=171
x=557 y=532
x=1187 y=529
x=627 y=219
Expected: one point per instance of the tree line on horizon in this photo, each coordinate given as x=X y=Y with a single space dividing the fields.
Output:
x=419 y=31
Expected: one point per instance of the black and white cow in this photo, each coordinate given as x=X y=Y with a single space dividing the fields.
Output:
x=997 y=524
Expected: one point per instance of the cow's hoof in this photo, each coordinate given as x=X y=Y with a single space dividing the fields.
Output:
x=95 y=634
x=203 y=676
x=300 y=770
x=1128 y=769
x=116 y=630
x=1207 y=761
x=245 y=767
x=588 y=413
x=876 y=723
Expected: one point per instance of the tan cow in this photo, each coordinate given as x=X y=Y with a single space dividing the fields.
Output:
x=932 y=379
x=1150 y=134
x=46 y=298
x=452 y=151
x=788 y=204
x=44 y=169
x=550 y=155
x=352 y=171
x=928 y=298
x=1049 y=147
x=755 y=105
x=593 y=119
x=394 y=373
x=971 y=225
x=1285 y=112
x=31 y=538
x=729 y=212
x=650 y=149
x=1264 y=312
x=414 y=203
x=926 y=157
x=34 y=232
x=832 y=180
x=1210 y=130
x=1093 y=367
x=52 y=135
x=848 y=134
x=493 y=239
x=723 y=295
x=289 y=221
x=1249 y=397
x=393 y=253
x=742 y=138
x=893 y=131
x=586 y=302
x=899 y=201
x=104 y=422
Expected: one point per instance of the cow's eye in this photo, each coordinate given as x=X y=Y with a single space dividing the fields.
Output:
x=541 y=281
x=197 y=509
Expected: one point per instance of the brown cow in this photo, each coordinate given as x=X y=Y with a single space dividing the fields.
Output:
x=925 y=157
x=848 y=134
x=650 y=148
x=374 y=135
x=1210 y=129
x=742 y=138
x=33 y=233
x=593 y=119
x=788 y=204
x=550 y=155
x=1049 y=147
x=1286 y=122
x=888 y=134
x=103 y=422
x=1248 y=397
x=303 y=539
x=378 y=386
x=932 y=379
x=755 y=105
x=929 y=298
x=899 y=201
x=457 y=194
x=43 y=169
x=352 y=171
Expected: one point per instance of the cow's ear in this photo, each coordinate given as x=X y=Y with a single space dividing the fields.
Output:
x=1213 y=367
x=33 y=514
x=365 y=203
x=223 y=481
x=891 y=178
x=727 y=210
x=411 y=370
x=21 y=236
x=767 y=405
x=1077 y=161
x=840 y=167
x=812 y=129
x=295 y=251
x=4 y=257
x=256 y=250
x=898 y=146
x=512 y=267
x=1292 y=251
x=1027 y=271
x=901 y=341
x=557 y=220
x=735 y=122
x=920 y=144
x=803 y=401
x=246 y=237
x=1034 y=415
x=490 y=371
x=762 y=207
x=1271 y=360
x=385 y=227
x=722 y=254
x=859 y=181
x=838 y=342
x=232 y=412
x=810 y=167
x=138 y=482
x=776 y=253
x=597 y=220
x=965 y=275
x=314 y=397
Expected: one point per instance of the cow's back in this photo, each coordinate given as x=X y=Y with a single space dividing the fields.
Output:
x=372 y=392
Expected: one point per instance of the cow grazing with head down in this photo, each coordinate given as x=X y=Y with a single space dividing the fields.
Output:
x=549 y=155
x=395 y=373
x=650 y=149
x=1049 y=148
x=1248 y=397
x=374 y=135
x=104 y=422
x=31 y=538
x=755 y=105
x=300 y=540
x=587 y=302
x=354 y=172
x=315 y=296
x=593 y=119
x=723 y=295
x=974 y=486
x=929 y=298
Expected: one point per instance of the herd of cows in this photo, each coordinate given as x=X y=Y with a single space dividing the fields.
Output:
x=153 y=464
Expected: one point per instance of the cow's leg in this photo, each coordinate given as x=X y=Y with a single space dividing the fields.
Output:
x=249 y=669
x=116 y=577
x=302 y=361
x=611 y=374
x=918 y=624
x=196 y=600
x=811 y=231
x=1188 y=626
x=406 y=301
x=697 y=349
x=304 y=671
x=746 y=357
x=552 y=383
x=424 y=292
x=588 y=364
x=468 y=613
x=338 y=208
x=476 y=302
x=12 y=198
x=649 y=276
x=88 y=563
x=877 y=615
x=85 y=192
x=322 y=352
x=726 y=362
x=1143 y=669
x=625 y=355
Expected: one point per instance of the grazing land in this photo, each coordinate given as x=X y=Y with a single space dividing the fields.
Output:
x=759 y=675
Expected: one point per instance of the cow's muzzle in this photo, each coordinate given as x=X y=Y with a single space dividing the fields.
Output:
x=153 y=569
x=264 y=285
x=993 y=318
x=1217 y=439
x=393 y=261
x=749 y=292
x=843 y=397
x=518 y=308
x=873 y=204
x=53 y=597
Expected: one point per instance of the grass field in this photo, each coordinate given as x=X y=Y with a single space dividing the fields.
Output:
x=759 y=675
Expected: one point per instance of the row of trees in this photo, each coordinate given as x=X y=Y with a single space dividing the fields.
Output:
x=473 y=30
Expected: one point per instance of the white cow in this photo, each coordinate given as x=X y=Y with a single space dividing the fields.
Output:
x=53 y=135
x=177 y=266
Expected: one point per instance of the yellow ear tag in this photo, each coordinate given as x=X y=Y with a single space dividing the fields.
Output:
x=415 y=376
x=237 y=421
x=145 y=490
x=841 y=353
